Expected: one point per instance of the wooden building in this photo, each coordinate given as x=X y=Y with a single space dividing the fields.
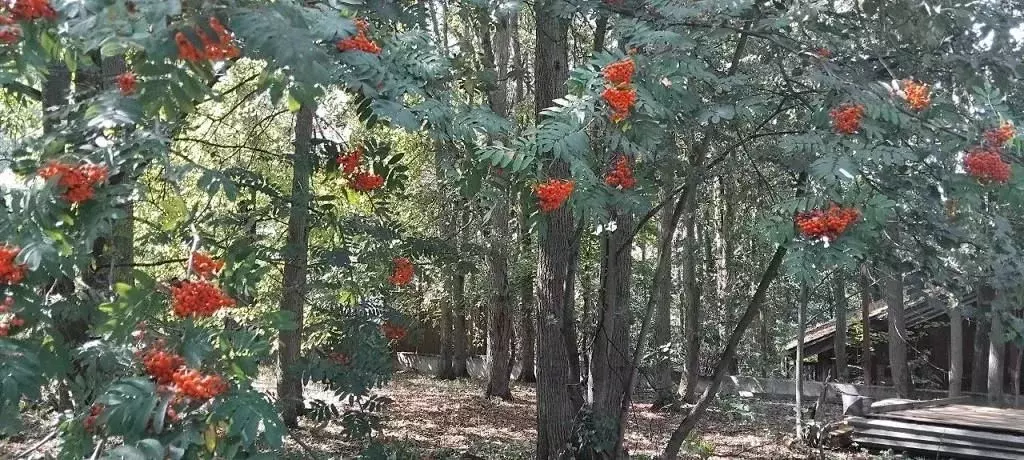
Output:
x=928 y=347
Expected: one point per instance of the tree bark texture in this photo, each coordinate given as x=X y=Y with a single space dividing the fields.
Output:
x=460 y=351
x=691 y=245
x=296 y=253
x=896 y=314
x=979 y=360
x=559 y=397
x=527 y=318
x=842 y=371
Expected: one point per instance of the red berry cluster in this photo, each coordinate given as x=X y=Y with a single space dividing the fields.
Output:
x=823 y=53
x=619 y=73
x=206 y=266
x=553 y=193
x=162 y=365
x=11 y=321
x=364 y=181
x=987 y=165
x=191 y=383
x=10 y=272
x=339 y=358
x=828 y=224
x=126 y=83
x=392 y=331
x=29 y=10
x=90 y=421
x=10 y=31
x=349 y=162
x=846 y=118
x=998 y=137
x=78 y=182
x=223 y=48
x=621 y=176
x=198 y=299
x=402 y=272
x=917 y=94
x=359 y=41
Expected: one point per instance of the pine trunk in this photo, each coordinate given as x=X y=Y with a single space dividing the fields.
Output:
x=996 y=348
x=979 y=360
x=296 y=253
x=527 y=319
x=691 y=285
x=866 y=361
x=842 y=366
x=460 y=352
x=558 y=394
x=956 y=352
x=896 y=314
x=664 y=386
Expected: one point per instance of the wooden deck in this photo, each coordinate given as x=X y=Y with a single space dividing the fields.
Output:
x=942 y=428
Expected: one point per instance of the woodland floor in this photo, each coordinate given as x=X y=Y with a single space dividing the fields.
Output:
x=435 y=419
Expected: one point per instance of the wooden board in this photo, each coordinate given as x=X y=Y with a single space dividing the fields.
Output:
x=890 y=405
x=1001 y=440
x=961 y=415
x=936 y=439
x=927 y=447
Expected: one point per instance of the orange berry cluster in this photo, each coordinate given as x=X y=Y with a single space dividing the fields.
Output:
x=917 y=94
x=828 y=224
x=206 y=266
x=198 y=299
x=392 y=331
x=10 y=31
x=28 y=10
x=162 y=365
x=846 y=118
x=823 y=53
x=78 y=182
x=223 y=48
x=402 y=272
x=620 y=95
x=998 y=137
x=126 y=83
x=986 y=164
x=349 y=162
x=10 y=272
x=619 y=73
x=193 y=384
x=621 y=176
x=553 y=193
x=359 y=41
x=168 y=368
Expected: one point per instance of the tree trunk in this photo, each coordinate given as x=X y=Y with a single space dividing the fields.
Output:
x=1014 y=368
x=996 y=348
x=664 y=386
x=956 y=352
x=527 y=318
x=896 y=314
x=798 y=372
x=460 y=353
x=445 y=365
x=866 y=361
x=691 y=333
x=979 y=360
x=496 y=53
x=722 y=243
x=610 y=363
x=686 y=426
x=842 y=366
x=296 y=253
x=765 y=342
x=558 y=395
